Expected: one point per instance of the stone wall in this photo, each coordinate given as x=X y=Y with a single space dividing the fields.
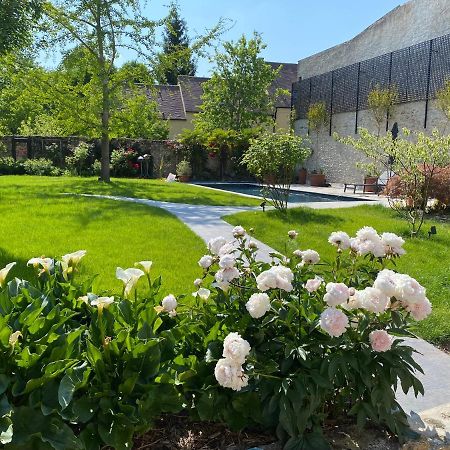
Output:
x=338 y=161
x=164 y=155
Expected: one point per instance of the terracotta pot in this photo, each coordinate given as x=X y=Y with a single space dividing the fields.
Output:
x=184 y=178
x=370 y=180
x=317 y=179
x=302 y=175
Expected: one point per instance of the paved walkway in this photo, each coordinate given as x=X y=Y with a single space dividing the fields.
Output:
x=433 y=408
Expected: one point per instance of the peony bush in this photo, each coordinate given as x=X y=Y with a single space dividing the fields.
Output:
x=291 y=343
x=284 y=345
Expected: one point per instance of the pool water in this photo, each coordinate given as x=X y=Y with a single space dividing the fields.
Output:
x=294 y=196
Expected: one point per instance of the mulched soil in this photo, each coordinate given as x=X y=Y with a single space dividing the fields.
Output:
x=177 y=432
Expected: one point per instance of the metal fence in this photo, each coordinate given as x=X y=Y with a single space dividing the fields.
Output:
x=417 y=73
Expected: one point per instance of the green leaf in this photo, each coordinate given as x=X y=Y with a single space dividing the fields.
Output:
x=74 y=378
x=4 y=383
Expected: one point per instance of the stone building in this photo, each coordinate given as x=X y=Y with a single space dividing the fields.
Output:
x=408 y=49
x=180 y=103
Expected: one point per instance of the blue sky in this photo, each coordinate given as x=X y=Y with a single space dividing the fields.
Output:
x=292 y=29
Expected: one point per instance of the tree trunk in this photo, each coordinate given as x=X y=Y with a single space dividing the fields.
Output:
x=105 y=168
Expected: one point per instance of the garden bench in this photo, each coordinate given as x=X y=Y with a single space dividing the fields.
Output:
x=354 y=186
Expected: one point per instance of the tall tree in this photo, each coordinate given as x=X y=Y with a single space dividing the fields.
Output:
x=177 y=57
x=237 y=96
x=17 y=18
x=102 y=28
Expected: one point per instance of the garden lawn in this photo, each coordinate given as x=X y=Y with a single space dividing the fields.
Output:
x=35 y=220
x=139 y=188
x=427 y=260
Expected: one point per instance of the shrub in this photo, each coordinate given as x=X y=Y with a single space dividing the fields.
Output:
x=273 y=158
x=184 y=169
x=8 y=166
x=77 y=163
x=122 y=162
x=77 y=370
x=290 y=343
x=41 y=166
x=96 y=168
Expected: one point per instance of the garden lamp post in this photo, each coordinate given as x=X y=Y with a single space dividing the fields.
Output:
x=146 y=163
x=141 y=163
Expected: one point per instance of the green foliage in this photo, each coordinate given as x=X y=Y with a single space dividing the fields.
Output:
x=8 y=166
x=40 y=166
x=443 y=99
x=415 y=157
x=122 y=162
x=72 y=359
x=273 y=158
x=317 y=116
x=380 y=101
x=17 y=18
x=184 y=169
x=296 y=374
x=237 y=95
x=77 y=163
x=176 y=58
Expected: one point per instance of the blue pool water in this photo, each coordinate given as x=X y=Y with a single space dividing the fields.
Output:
x=294 y=196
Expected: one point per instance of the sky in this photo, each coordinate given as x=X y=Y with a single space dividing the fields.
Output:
x=292 y=29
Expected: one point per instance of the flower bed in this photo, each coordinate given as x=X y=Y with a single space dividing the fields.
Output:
x=283 y=346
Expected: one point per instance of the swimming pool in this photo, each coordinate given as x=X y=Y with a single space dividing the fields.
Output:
x=294 y=196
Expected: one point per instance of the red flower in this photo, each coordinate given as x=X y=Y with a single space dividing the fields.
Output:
x=135 y=166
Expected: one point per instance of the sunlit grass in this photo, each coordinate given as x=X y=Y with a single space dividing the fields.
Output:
x=428 y=260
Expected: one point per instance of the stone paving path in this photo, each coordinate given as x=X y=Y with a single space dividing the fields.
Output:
x=433 y=408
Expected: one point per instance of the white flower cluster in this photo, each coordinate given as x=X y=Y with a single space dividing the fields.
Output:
x=228 y=371
x=276 y=277
x=367 y=241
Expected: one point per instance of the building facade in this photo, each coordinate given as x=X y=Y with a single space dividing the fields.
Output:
x=408 y=49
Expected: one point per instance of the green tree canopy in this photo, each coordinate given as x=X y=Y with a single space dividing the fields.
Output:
x=177 y=57
x=237 y=96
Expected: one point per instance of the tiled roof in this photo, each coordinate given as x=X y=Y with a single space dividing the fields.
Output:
x=191 y=87
x=170 y=101
x=175 y=101
x=287 y=76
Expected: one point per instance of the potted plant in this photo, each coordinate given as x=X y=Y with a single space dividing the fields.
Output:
x=371 y=177
x=302 y=175
x=317 y=178
x=184 y=171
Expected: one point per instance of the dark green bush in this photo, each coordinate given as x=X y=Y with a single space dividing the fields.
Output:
x=8 y=166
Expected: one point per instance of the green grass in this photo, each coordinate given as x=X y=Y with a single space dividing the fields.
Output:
x=428 y=260
x=149 y=189
x=35 y=220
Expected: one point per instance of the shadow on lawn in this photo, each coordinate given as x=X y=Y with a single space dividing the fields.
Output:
x=304 y=216
x=20 y=270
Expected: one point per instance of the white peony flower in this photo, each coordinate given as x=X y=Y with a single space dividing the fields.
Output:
x=276 y=277
x=337 y=293
x=313 y=284
x=420 y=310
x=258 y=305
x=310 y=257
x=214 y=245
x=292 y=234
x=386 y=282
x=206 y=261
x=340 y=239
x=169 y=303
x=230 y=375
x=373 y=300
x=198 y=282
x=102 y=302
x=227 y=275
x=146 y=265
x=393 y=244
x=222 y=285
x=73 y=259
x=252 y=245
x=367 y=234
x=226 y=249
x=298 y=253
x=238 y=231
x=409 y=290
x=4 y=273
x=47 y=264
x=129 y=277
x=227 y=261
x=235 y=348
x=203 y=293
x=334 y=322
x=380 y=341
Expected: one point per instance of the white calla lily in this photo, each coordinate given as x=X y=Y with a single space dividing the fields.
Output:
x=130 y=277
x=102 y=302
x=146 y=265
x=47 y=264
x=72 y=259
x=4 y=273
